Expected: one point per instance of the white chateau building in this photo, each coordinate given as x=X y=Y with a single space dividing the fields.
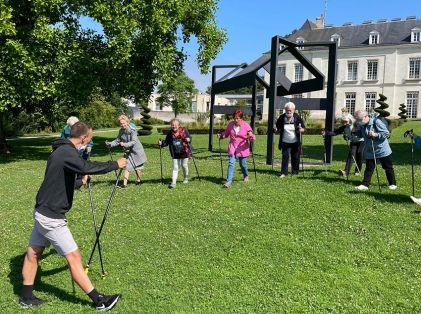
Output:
x=381 y=57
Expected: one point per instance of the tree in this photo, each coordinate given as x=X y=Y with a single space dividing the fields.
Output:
x=50 y=62
x=177 y=92
x=403 y=111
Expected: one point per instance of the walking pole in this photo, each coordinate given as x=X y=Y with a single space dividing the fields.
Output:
x=349 y=153
x=412 y=160
x=252 y=156
x=411 y=135
x=160 y=159
x=194 y=162
x=375 y=162
x=111 y=156
x=107 y=210
x=301 y=151
x=220 y=157
x=95 y=225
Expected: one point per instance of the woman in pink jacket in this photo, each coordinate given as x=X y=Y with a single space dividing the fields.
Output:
x=239 y=133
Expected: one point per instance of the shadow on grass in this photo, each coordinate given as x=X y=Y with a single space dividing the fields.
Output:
x=386 y=197
x=15 y=278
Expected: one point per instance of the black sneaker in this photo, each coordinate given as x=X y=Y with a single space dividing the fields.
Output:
x=107 y=302
x=33 y=301
x=121 y=185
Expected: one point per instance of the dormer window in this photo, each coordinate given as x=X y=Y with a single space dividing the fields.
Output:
x=374 y=38
x=416 y=35
x=300 y=40
x=336 y=38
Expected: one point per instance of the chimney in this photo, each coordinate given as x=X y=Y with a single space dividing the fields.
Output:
x=320 y=21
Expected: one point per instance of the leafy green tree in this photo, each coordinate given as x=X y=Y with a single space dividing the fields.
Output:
x=50 y=63
x=177 y=92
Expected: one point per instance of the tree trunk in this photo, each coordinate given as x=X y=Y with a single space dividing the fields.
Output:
x=4 y=147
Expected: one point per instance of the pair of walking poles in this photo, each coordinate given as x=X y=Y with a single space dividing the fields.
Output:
x=97 y=230
x=160 y=160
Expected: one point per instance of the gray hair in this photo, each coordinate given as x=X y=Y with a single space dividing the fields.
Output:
x=72 y=120
x=359 y=114
x=290 y=105
x=347 y=116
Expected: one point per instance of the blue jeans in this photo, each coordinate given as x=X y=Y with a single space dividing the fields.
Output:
x=231 y=167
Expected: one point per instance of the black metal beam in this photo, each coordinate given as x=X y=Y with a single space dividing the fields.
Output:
x=230 y=110
x=211 y=114
x=330 y=95
x=272 y=97
x=253 y=105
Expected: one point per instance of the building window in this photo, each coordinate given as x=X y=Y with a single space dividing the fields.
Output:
x=157 y=106
x=416 y=35
x=412 y=104
x=350 y=102
x=414 y=68
x=336 y=38
x=300 y=40
x=283 y=69
x=370 y=101
x=372 y=70
x=207 y=106
x=374 y=38
x=299 y=72
x=194 y=106
x=352 y=70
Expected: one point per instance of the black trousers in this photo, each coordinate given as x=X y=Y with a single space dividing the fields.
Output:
x=292 y=149
x=387 y=165
x=355 y=151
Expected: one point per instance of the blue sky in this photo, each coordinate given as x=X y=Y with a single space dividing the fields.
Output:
x=251 y=24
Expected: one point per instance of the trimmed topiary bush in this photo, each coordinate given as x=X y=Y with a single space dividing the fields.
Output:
x=383 y=106
x=146 y=124
x=403 y=112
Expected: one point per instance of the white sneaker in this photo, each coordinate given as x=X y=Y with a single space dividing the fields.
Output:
x=416 y=200
x=392 y=187
x=362 y=187
x=185 y=181
x=282 y=176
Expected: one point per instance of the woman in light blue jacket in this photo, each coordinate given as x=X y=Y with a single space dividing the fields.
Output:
x=377 y=147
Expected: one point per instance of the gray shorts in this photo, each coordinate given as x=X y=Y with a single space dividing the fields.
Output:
x=52 y=231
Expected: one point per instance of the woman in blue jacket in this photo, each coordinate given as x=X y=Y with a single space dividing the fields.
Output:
x=377 y=147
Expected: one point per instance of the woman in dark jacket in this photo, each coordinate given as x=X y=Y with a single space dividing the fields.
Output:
x=290 y=126
x=179 y=142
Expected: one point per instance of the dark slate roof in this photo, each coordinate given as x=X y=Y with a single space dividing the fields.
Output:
x=391 y=33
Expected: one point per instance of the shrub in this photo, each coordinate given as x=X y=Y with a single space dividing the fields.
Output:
x=99 y=113
x=165 y=130
x=262 y=130
x=156 y=121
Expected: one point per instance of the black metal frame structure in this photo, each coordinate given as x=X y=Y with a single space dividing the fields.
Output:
x=280 y=86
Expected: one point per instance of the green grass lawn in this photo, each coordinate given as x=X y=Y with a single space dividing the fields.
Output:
x=303 y=244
